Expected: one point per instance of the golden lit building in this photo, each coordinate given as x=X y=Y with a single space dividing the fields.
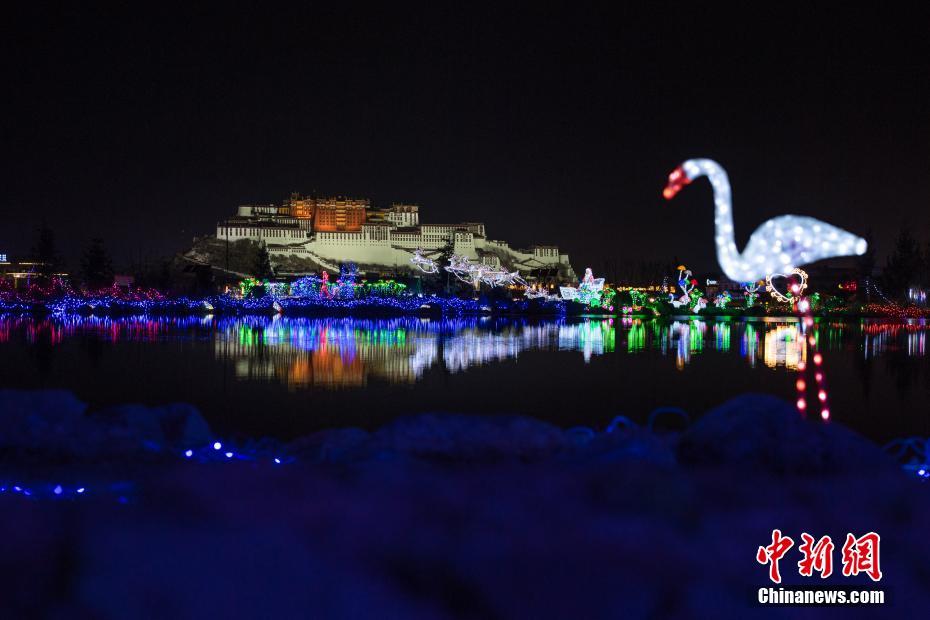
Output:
x=340 y=214
x=301 y=207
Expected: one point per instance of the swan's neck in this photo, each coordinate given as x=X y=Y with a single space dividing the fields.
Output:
x=723 y=210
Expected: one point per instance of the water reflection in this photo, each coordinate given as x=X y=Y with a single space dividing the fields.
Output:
x=339 y=353
x=348 y=352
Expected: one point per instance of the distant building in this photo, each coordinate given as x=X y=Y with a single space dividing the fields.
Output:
x=23 y=272
x=332 y=231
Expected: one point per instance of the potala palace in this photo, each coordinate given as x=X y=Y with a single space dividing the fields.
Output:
x=327 y=232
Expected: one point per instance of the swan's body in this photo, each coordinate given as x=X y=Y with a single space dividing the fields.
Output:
x=779 y=245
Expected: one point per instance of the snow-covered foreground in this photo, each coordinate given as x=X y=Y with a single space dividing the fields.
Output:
x=437 y=515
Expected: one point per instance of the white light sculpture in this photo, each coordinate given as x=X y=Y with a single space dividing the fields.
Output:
x=589 y=289
x=781 y=244
x=477 y=274
x=423 y=263
x=533 y=292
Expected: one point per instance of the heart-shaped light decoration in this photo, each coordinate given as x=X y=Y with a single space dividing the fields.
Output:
x=794 y=289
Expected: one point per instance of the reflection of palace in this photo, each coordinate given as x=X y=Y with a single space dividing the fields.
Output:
x=347 y=352
x=334 y=353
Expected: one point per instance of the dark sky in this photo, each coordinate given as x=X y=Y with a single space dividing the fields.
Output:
x=549 y=125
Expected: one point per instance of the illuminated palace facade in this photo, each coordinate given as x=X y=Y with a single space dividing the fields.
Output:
x=333 y=231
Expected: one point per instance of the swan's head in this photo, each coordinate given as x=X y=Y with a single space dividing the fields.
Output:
x=677 y=179
x=689 y=171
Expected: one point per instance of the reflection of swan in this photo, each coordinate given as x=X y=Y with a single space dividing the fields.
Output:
x=781 y=244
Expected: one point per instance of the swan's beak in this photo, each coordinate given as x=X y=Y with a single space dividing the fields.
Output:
x=676 y=180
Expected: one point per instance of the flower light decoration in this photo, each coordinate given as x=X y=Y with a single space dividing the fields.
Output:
x=722 y=299
x=686 y=283
x=795 y=286
x=698 y=301
x=750 y=292
x=692 y=297
x=780 y=244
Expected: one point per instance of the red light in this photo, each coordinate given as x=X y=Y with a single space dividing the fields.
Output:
x=818 y=359
x=802 y=365
x=802 y=404
x=819 y=377
x=676 y=180
x=801 y=385
x=822 y=396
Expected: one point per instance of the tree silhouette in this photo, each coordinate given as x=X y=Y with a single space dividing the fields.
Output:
x=96 y=265
x=904 y=264
x=262 y=268
x=45 y=251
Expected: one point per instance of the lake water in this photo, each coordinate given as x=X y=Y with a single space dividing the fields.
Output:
x=285 y=377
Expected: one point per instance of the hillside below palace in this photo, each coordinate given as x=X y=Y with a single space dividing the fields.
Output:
x=331 y=231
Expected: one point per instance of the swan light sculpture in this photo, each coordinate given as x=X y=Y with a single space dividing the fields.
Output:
x=779 y=245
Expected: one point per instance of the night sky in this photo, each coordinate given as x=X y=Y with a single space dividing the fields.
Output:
x=550 y=126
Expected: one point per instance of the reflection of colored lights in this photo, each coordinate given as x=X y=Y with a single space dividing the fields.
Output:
x=783 y=346
x=636 y=337
x=722 y=336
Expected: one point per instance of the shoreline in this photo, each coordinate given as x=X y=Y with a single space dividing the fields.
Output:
x=424 y=307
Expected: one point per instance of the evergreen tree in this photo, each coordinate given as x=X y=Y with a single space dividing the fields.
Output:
x=96 y=265
x=45 y=251
x=443 y=261
x=903 y=266
x=262 y=268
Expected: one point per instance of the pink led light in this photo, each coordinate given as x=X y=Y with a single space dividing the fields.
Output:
x=801 y=385
x=822 y=395
x=825 y=414
x=802 y=404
